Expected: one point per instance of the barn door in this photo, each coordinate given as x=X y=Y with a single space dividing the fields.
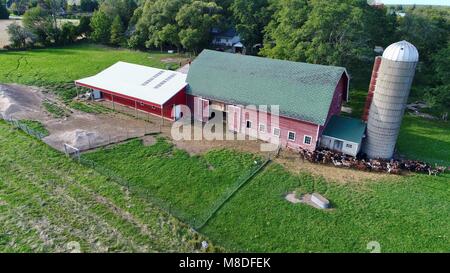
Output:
x=234 y=118
x=201 y=109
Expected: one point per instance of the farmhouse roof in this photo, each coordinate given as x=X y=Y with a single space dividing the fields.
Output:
x=302 y=91
x=140 y=82
x=345 y=128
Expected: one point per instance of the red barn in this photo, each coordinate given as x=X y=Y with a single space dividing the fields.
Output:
x=156 y=91
x=307 y=95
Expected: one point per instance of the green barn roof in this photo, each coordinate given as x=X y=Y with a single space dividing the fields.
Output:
x=303 y=91
x=345 y=128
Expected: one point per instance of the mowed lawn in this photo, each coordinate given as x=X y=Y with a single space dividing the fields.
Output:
x=51 y=66
x=190 y=185
x=48 y=203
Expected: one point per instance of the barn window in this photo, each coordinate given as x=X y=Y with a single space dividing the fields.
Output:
x=291 y=136
x=349 y=146
x=307 y=140
x=249 y=124
x=276 y=132
x=262 y=128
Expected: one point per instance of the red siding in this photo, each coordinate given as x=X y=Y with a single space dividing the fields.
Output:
x=340 y=95
x=178 y=99
x=286 y=125
x=300 y=128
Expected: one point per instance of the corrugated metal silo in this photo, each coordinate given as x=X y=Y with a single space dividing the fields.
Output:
x=393 y=85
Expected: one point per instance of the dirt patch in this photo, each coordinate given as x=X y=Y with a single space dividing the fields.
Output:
x=291 y=161
x=82 y=130
x=148 y=140
x=174 y=60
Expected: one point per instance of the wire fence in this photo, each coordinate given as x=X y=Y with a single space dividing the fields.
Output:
x=196 y=222
x=24 y=127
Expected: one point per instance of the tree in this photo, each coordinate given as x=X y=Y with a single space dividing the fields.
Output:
x=156 y=24
x=88 y=5
x=19 y=36
x=38 y=21
x=84 y=27
x=18 y=7
x=195 y=21
x=117 y=32
x=283 y=34
x=250 y=18
x=327 y=32
x=123 y=8
x=68 y=33
x=4 y=13
x=101 y=27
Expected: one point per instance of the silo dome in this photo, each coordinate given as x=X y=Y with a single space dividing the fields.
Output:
x=401 y=52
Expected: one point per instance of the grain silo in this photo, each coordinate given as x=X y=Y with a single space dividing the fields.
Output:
x=392 y=86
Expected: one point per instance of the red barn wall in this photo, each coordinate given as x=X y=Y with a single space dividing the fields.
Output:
x=300 y=128
x=340 y=95
x=178 y=99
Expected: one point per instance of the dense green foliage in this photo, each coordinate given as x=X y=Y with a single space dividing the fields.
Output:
x=117 y=32
x=199 y=181
x=101 y=27
x=48 y=201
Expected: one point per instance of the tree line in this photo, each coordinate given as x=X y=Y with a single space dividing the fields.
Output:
x=342 y=33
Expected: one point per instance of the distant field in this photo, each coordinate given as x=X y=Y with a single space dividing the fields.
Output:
x=52 y=66
x=48 y=202
x=4 y=37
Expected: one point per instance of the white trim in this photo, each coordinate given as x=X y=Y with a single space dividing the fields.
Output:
x=273 y=131
x=259 y=128
x=295 y=136
x=304 y=138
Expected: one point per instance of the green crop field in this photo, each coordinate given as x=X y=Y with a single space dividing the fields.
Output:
x=47 y=202
x=191 y=185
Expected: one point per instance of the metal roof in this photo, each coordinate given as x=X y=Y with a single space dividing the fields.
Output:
x=345 y=128
x=141 y=82
x=401 y=52
x=302 y=91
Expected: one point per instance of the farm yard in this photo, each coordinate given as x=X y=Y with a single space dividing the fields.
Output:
x=48 y=200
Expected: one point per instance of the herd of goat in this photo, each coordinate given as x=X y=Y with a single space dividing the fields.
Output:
x=326 y=156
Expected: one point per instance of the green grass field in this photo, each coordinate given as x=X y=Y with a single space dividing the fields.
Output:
x=48 y=201
x=404 y=215
x=190 y=185
x=58 y=65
